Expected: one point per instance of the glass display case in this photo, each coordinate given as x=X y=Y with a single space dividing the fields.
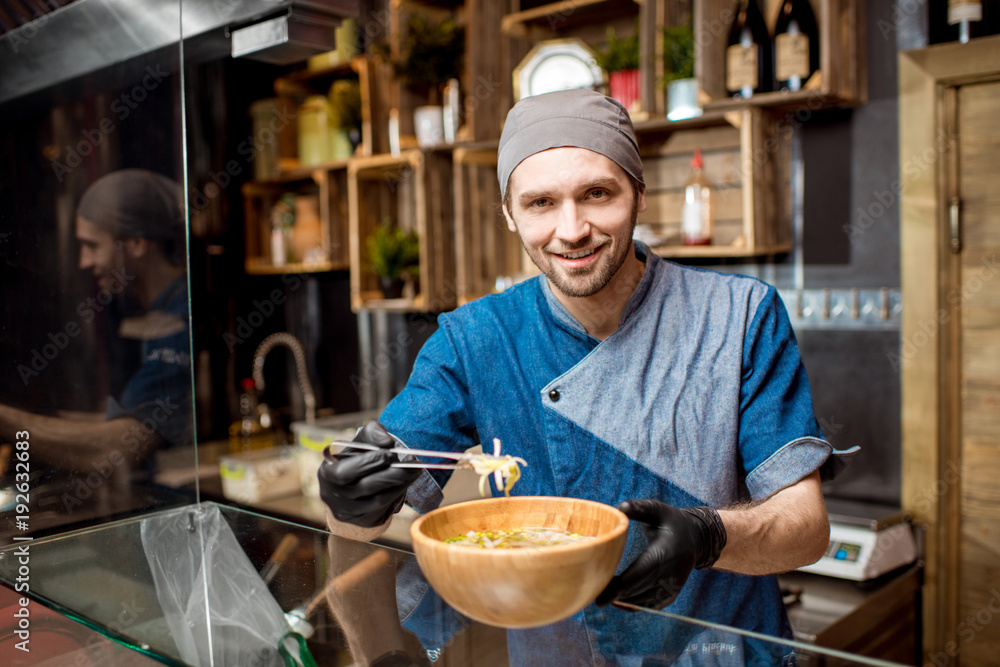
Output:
x=113 y=549
x=212 y=584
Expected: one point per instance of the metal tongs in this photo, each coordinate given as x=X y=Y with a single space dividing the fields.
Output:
x=461 y=460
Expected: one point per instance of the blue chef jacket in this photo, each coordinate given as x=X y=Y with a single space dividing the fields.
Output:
x=699 y=398
x=159 y=394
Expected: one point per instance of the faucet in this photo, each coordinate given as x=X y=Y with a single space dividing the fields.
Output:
x=299 y=355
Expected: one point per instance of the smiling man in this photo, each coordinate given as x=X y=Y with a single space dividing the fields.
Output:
x=130 y=229
x=676 y=394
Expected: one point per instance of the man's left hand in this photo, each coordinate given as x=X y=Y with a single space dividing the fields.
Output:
x=680 y=540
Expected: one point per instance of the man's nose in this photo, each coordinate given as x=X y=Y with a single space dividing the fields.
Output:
x=86 y=261
x=573 y=224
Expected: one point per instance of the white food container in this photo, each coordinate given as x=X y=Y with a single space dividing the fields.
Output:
x=258 y=475
x=312 y=439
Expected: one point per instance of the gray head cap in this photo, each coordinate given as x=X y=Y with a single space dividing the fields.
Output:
x=135 y=203
x=579 y=118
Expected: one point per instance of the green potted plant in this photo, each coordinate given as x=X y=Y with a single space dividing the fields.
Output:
x=678 y=72
x=394 y=255
x=620 y=59
x=345 y=116
x=431 y=54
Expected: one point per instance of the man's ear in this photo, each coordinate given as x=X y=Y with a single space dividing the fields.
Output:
x=510 y=220
x=137 y=248
x=640 y=204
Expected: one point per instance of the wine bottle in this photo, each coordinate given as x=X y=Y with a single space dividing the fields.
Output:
x=962 y=12
x=796 y=45
x=748 y=55
x=696 y=214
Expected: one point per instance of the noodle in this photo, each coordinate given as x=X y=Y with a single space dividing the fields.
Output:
x=506 y=471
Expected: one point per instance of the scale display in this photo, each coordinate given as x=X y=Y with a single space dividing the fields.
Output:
x=861 y=554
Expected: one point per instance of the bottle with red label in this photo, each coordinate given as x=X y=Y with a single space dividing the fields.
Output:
x=696 y=217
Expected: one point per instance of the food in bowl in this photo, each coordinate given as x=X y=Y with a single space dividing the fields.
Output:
x=518 y=538
x=520 y=588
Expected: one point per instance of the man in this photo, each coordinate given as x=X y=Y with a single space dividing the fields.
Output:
x=675 y=393
x=130 y=226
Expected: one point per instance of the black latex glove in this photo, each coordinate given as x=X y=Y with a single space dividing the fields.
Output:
x=680 y=540
x=359 y=487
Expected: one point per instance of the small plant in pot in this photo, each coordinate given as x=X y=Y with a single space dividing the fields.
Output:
x=394 y=256
x=345 y=108
x=620 y=59
x=430 y=54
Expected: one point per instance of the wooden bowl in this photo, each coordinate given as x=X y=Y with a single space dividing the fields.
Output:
x=526 y=587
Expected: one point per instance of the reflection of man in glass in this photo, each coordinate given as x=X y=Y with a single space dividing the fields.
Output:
x=130 y=225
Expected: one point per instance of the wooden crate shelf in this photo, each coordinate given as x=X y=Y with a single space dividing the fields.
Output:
x=746 y=157
x=544 y=21
x=485 y=249
x=449 y=195
x=292 y=89
x=329 y=184
x=411 y=191
x=842 y=56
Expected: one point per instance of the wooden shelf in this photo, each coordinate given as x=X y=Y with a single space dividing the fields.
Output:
x=842 y=55
x=746 y=155
x=565 y=15
x=408 y=191
x=329 y=185
x=805 y=100
x=308 y=171
x=373 y=300
x=465 y=245
x=485 y=249
x=258 y=266
x=718 y=251
x=710 y=118
x=309 y=77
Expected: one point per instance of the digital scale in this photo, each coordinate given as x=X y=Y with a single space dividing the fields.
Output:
x=866 y=541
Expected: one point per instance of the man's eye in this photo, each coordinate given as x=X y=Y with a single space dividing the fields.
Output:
x=539 y=203
x=598 y=194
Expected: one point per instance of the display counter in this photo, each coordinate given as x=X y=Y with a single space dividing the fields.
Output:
x=212 y=584
x=876 y=618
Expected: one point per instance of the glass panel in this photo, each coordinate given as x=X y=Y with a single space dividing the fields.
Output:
x=93 y=262
x=50 y=638
x=140 y=582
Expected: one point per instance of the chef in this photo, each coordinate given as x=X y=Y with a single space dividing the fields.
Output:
x=675 y=393
x=130 y=227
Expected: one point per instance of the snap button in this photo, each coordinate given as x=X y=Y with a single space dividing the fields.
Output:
x=554 y=395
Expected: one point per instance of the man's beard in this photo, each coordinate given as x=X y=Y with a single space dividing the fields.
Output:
x=560 y=278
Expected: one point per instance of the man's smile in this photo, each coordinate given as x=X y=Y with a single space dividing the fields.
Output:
x=578 y=259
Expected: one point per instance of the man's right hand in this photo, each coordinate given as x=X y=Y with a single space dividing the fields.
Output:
x=359 y=487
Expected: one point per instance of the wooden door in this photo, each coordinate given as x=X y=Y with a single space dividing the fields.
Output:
x=976 y=170
x=950 y=348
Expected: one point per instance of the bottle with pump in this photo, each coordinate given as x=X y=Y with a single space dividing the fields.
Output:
x=796 y=45
x=247 y=432
x=696 y=219
x=748 y=54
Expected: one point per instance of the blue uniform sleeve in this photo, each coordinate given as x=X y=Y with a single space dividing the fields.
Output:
x=433 y=412
x=780 y=441
x=159 y=394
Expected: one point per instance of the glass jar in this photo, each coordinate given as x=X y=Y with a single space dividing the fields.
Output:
x=315 y=130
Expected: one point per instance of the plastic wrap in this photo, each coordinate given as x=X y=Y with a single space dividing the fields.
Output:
x=215 y=603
